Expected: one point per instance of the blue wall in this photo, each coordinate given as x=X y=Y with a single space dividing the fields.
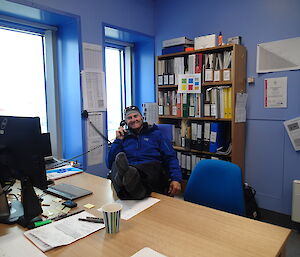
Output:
x=82 y=21
x=271 y=162
x=136 y=15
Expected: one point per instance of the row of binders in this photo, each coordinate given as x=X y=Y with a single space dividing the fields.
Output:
x=217 y=67
x=213 y=102
x=188 y=161
x=168 y=69
x=204 y=136
x=214 y=67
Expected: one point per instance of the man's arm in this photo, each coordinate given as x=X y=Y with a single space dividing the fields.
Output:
x=116 y=147
x=174 y=188
x=171 y=163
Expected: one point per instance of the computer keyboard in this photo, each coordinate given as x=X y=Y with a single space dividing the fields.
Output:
x=67 y=191
x=54 y=164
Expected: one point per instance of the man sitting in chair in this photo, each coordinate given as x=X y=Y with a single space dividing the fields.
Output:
x=142 y=160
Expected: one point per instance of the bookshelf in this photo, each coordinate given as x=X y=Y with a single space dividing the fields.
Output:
x=224 y=91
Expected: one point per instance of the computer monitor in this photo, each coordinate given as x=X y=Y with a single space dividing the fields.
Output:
x=21 y=158
x=21 y=149
x=46 y=145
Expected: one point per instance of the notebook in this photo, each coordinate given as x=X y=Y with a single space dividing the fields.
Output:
x=67 y=191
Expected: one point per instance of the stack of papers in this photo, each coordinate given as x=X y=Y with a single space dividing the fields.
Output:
x=130 y=208
x=62 y=232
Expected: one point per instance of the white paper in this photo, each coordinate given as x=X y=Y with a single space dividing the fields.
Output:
x=205 y=41
x=94 y=140
x=148 y=252
x=62 y=232
x=240 y=107
x=133 y=207
x=213 y=137
x=278 y=55
x=92 y=57
x=293 y=129
x=150 y=112
x=13 y=245
x=93 y=91
x=275 y=92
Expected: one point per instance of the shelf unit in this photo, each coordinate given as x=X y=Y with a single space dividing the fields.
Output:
x=238 y=85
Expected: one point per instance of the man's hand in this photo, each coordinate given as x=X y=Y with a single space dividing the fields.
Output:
x=120 y=133
x=175 y=188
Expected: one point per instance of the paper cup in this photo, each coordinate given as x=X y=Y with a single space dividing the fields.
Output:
x=111 y=217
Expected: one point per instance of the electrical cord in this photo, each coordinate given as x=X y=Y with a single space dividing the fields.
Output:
x=94 y=127
x=70 y=159
x=14 y=196
x=85 y=115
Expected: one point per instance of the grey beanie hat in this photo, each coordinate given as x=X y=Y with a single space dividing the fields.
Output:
x=131 y=109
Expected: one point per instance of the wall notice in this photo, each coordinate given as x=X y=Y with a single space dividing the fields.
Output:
x=275 y=93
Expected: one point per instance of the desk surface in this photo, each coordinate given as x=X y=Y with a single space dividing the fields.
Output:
x=172 y=227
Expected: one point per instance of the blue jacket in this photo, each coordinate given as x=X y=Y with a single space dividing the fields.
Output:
x=147 y=146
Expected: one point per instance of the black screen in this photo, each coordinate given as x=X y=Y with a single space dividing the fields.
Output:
x=46 y=145
x=21 y=150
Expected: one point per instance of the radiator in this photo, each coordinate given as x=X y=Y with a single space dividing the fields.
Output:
x=296 y=201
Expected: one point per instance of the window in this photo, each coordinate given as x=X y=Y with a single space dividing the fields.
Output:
x=28 y=81
x=118 y=85
x=22 y=80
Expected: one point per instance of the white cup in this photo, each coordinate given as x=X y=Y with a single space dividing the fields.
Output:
x=111 y=216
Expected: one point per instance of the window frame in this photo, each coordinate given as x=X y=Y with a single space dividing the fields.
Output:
x=50 y=72
x=125 y=50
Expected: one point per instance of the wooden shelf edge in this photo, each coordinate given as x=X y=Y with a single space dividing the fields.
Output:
x=167 y=86
x=191 y=118
x=200 y=152
x=204 y=84
x=216 y=83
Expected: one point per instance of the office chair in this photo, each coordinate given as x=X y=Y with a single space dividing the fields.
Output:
x=216 y=184
x=166 y=130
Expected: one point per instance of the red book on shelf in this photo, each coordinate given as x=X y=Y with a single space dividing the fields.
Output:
x=198 y=66
x=179 y=104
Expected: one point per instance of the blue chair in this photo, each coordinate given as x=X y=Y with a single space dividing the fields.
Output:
x=166 y=130
x=216 y=184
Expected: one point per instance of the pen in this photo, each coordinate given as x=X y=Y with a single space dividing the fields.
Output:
x=92 y=219
x=66 y=215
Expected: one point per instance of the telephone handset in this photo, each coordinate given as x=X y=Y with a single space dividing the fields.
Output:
x=122 y=124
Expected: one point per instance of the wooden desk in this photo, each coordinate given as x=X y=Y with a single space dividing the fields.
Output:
x=172 y=227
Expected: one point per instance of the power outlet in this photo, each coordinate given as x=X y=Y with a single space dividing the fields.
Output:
x=251 y=80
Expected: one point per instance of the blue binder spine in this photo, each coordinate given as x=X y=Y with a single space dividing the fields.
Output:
x=217 y=136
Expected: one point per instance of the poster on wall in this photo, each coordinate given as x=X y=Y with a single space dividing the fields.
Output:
x=275 y=92
x=94 y=101
x=293 y=129
x=278 y=55
x=240 y=107
x=189 y=83
x=94 y=142
x=92 y=57
x=93 y=91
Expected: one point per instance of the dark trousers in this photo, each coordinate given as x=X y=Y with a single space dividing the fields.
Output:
x=144 y=179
